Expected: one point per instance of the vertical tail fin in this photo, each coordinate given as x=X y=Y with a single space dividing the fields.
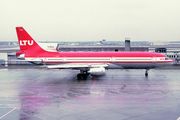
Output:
x=27 y=43
x=25 y=40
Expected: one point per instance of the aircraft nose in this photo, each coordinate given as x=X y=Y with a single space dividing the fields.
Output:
x=171 y=61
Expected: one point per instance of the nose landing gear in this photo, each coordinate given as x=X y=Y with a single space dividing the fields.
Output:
x=146 y=73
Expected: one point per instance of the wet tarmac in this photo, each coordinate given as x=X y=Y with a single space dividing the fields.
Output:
x=41 y=94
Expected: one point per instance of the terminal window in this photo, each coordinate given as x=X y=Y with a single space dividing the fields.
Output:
x=161 y=50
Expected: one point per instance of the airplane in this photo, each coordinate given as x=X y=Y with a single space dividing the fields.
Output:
x=89 y=63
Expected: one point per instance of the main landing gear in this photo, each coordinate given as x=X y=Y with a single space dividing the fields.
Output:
x=146 y=73
x=83 y=75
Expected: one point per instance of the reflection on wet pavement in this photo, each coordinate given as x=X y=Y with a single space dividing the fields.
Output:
x=32 y=94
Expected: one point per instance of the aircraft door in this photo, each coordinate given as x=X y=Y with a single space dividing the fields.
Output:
x=45 y=61
x=113 y=59
x=154 y=60
x=64 y=60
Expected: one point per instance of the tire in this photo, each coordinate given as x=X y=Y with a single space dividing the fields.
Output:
x=146 y=74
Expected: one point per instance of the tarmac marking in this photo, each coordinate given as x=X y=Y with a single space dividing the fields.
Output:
x=46 y=105
x=137 y=86
x=8 y=113
x=94 y=105
x=160 y=98
x=145 y=106
x=170 y=106
x=121 y=106
x=70 y=105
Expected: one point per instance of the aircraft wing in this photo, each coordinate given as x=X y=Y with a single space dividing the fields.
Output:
x=77 y=65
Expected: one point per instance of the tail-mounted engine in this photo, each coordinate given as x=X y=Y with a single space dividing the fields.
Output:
x=50 y=46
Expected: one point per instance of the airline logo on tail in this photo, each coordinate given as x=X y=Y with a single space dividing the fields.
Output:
x=28 y=45
x=25 y=42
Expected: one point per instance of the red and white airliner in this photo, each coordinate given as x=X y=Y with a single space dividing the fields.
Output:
x=93 y=63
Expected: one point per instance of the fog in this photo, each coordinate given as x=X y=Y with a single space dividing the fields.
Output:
x=91 y=20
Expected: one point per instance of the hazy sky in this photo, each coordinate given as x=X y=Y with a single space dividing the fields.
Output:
x=91 y=20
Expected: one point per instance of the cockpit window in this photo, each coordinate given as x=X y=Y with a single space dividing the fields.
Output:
x=166 y=58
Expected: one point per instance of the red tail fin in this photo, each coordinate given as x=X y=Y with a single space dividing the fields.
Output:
x=26 y=42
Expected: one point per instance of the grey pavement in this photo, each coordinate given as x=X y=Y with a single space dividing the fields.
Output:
x=42 y=94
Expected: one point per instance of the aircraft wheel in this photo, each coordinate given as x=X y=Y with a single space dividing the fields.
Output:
x=79 y=76
x=84 y=76
x=146 y=74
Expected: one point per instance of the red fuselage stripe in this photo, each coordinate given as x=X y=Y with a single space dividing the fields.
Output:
x=91 y=54
x=106 y=62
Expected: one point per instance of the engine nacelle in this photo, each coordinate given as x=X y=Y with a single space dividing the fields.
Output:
x=49 y=46
x=97 y=71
